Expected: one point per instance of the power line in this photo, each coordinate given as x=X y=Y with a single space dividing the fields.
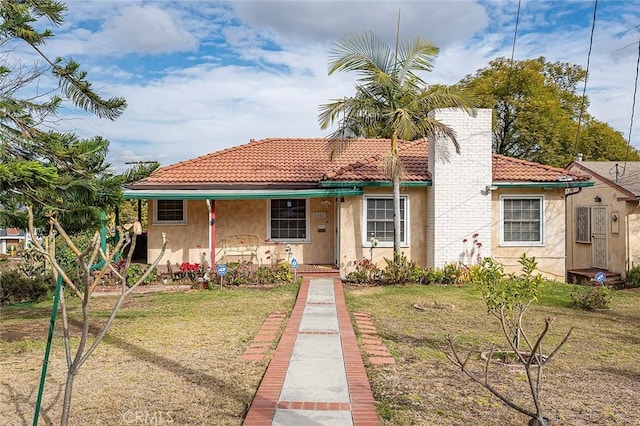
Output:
x=513 y=48
x=633 y=109
x=586 y=76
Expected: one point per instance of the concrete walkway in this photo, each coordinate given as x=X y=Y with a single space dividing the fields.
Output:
x=316 y=376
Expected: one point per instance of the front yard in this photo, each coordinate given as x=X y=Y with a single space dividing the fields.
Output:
x=593 y=380
x=170 y=358
x=175 y=359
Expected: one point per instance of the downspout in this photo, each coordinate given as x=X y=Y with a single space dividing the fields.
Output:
x=211 y=208
x=566 y=223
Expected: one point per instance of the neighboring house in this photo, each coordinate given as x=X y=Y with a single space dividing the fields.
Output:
x=603 y=221
x=288 y=191
x=12 y=240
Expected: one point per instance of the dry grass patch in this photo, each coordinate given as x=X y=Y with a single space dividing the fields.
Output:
x=168 y=359
x=594 y=380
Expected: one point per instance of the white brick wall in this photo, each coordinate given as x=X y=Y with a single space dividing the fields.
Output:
x=459 y=204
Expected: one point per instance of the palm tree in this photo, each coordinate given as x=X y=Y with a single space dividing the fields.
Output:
x=391 y=101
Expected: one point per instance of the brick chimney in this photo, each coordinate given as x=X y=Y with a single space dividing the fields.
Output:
x=459 y=200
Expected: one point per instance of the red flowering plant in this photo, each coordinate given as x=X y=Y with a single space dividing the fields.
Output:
x=366 y=271
x=189 y=272
x=471 y=253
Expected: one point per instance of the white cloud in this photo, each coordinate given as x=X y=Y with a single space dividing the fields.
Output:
x=271 y=75
x=127 y=28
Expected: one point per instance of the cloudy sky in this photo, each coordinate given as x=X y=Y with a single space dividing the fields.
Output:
x=201 y=76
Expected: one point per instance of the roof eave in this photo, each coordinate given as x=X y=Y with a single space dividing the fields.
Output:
x=529 y=184
x=370 y=183
x=177 y=194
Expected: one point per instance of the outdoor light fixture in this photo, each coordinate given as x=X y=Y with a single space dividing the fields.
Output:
x=597 y=199
x=289 y=204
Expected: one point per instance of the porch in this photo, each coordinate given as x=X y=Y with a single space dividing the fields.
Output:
x=587 y=277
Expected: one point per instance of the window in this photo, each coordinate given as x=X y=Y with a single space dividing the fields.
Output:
x=288 y=220
x=170 y=211
x=522 y=221
x=378 y=217
x=583 y=224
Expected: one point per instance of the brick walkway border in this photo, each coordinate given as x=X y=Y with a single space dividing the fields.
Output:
x=266 y=337
x=376 y=350
x=263 y=407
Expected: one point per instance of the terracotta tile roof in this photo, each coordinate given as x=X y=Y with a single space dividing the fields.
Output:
x=515 y=170
x=276 y=161
x=412 y=154
x=305 y=162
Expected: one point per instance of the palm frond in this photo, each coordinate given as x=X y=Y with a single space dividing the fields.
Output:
x=415 y=55
x=363 y=53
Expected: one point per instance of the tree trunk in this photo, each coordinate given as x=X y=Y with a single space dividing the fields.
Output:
x=66 y=405
x=395 y=178
x=396 y=214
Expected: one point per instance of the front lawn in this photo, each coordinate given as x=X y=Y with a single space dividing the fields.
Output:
x=594 y=380
x=168 y=359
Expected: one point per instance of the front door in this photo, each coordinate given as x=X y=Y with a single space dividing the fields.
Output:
x=599 y=237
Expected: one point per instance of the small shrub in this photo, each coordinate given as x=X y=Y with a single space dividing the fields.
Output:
x=18 y=288
x=283 y=274
x=400 y=270
x=434 y=276
x=366 y=272
x=246 y=273
x=240 y=273
x=455 y=273
x=591 y=298
x=633 y=277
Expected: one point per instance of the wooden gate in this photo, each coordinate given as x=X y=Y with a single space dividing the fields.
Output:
x=599 y=237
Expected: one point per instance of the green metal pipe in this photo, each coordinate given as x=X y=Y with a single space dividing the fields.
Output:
x=47 y=351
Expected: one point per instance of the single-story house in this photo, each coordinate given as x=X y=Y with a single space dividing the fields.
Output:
x=603 y=220
x=286 y=193
x=12 y=240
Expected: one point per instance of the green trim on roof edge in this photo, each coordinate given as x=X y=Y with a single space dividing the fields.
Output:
x=198 y=194
x=361 y=184
x=569 y=184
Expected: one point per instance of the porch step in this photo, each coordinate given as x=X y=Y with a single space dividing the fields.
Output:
x=311 y=270
x=587 y=277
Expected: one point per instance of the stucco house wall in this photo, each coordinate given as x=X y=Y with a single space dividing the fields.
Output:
x=632 y=232
x=186 y=242
x=354 y=246
x=550 y=255
x=623 y=234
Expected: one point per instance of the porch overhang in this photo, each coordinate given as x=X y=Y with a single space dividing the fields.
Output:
x=240 y=194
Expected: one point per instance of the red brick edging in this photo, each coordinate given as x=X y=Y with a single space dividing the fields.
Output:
x=377 y=351
x=266 y=337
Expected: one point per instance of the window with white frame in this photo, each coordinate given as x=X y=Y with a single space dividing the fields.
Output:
x=378 y=219
x=170 y=211
x=288 y=220
x=583 y=224
x=522 y=220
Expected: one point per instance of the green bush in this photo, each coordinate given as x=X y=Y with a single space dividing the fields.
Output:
x=245 y=273
x=633 y=277
x=15 y=287
x=400 y=270
x=434 y=276
x=67 y=258
x=591 y=298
